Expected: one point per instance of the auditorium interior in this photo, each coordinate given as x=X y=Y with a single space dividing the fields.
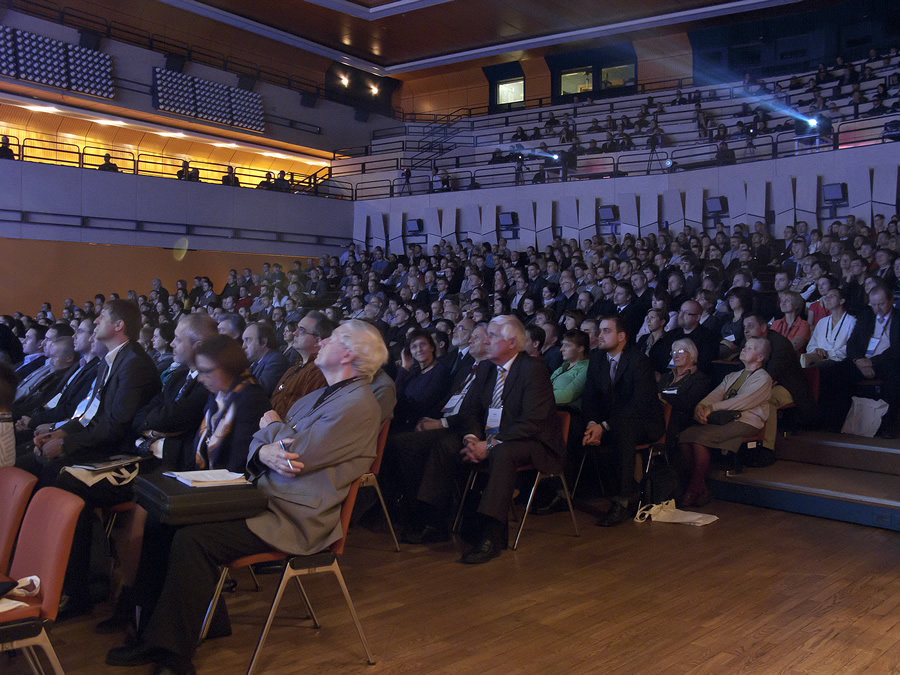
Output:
x=180 y=140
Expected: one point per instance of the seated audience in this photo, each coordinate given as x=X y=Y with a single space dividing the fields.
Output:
x=422 y=382
x=568 y=380
x=327 y=441
x=745 y=395
x=683 y=387
x=792 y=325
x=828 y=344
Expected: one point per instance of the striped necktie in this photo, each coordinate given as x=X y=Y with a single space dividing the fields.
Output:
x=497 y=398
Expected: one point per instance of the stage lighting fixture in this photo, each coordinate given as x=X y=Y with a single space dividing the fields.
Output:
x=345 y=81
x=374 y=90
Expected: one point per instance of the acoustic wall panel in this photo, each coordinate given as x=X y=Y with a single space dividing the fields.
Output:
x=757 y=191
x=649 y=218
x=628 y=213
x=544 y=223
x=736 y=192
x=884 y=189
x=567 y=217
x=673 y=210
x=693 y=207
x=859 y=192
x=807 y=199
x=783 y=203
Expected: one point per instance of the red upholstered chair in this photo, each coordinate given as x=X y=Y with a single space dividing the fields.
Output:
x=43 y=551
x=295 y=567
x=371 y=478
x=16 y=487
x=564 y=420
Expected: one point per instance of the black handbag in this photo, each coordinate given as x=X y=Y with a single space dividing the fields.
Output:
x=720 y=417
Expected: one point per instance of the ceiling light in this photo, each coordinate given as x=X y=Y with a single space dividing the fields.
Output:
x=42 y=108
x=225 y=145
x=374 y=90
x=110 y=123
x=170 y=134
x=345 y=81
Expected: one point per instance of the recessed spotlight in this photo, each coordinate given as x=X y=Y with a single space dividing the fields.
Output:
x=345 y=81
x=374 y=90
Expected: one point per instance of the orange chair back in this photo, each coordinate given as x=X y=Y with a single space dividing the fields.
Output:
x=565 y=419
x=16 y=487
x=379 y=447
x=45 y=541
x=346 y=511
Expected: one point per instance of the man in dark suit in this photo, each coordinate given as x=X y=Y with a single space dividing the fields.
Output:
x=62 y=362
x=74 y=390
x=622 y=410
x=689 y=327
x=791 y=385
x=267 y=364
x=169 y=422
x=430 y=449
x=873 y=352
x=460 y=361
x=33 y=351
x=127 y=380
x=627 y=308
x=508 y=420
x=305 y=464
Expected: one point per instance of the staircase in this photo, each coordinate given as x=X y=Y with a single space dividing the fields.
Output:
x=835 y=476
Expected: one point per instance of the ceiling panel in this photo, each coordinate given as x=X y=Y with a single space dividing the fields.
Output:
x=446 y=28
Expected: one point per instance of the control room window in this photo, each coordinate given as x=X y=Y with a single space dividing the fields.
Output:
x=576 y=81
x=511 y=91
x=617 y=76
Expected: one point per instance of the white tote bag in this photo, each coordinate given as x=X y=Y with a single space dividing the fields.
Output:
x=864 y=417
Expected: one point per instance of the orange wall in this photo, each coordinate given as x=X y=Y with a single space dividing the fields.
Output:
x=38 y=271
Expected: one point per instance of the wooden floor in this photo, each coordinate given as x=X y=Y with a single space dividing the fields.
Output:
x=758 y=591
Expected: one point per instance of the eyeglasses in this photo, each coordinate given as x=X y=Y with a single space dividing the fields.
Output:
x=679 y=352
x=300 y=330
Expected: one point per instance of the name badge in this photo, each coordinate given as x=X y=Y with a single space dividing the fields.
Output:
x=493 y=421
x=671 y=392
x=90 y=412
x=873 y=345
x=452 y=406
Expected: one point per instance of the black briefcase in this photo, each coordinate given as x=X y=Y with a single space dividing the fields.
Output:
x=175 y=503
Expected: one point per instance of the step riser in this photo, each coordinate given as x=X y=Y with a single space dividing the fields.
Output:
x=846 y=456
x=811 y=505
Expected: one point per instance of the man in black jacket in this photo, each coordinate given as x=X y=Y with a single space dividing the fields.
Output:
x=873 y=352
x=622 y=410
x=127 y=380
x=508 y=420
x=169 y=422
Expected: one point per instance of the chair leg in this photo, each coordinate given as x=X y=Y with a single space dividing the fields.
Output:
x=253 y=576
x=537 y=479
x=271 y=617
x=34 y=663
x=387 y=516
x=110 y=524
x=578 y=475
x=470 y=483
x=310 y=613
x=43 y=641
x=562 y=477
x=204 y=629
x=336 y=569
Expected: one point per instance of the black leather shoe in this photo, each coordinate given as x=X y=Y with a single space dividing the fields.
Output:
x=616 y=515
x=485 y=551
x=427 y=535
x=139 y=655
x=557 y=505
